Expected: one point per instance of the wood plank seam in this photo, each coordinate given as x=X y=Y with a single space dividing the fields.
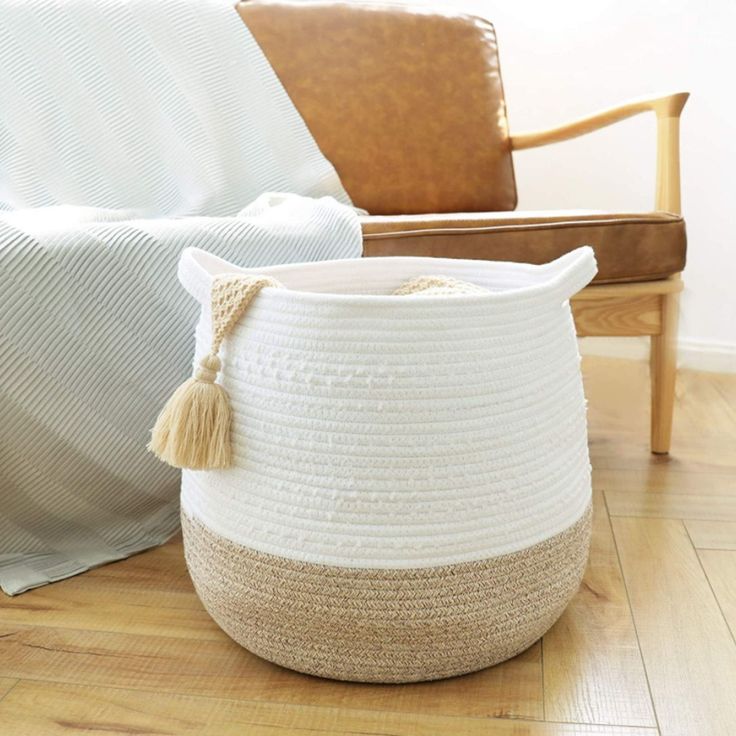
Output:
x=631 y=615
x=318 y=720
x=224 y=697
x=710 y=585
x=309 y=706
x=541 y=669
x=686 y=644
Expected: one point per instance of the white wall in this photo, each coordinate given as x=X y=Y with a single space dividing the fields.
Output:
x=564 y=59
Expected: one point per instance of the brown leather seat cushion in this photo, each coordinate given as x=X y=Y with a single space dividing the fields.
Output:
x=629 y=247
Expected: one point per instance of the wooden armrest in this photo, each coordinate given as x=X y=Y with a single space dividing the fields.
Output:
x=667 y=109
x=669 y=106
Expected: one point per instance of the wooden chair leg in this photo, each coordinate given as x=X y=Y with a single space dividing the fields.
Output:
x=663 y=369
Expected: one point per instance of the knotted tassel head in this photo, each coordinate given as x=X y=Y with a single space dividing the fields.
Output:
x=193 y=429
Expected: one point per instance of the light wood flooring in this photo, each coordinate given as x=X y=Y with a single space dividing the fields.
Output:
x=646 y=647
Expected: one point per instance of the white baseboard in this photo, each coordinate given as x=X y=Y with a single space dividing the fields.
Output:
x=698 y=355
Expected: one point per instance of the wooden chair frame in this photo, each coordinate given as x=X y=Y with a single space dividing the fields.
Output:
x=638 y=308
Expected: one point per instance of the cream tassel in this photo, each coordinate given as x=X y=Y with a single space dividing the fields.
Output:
x=193 y=429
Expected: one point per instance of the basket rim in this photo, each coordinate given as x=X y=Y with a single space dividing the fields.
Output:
x=561 y=278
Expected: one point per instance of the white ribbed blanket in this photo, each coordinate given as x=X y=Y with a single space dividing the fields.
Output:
x=165 y=106
x=126 y=109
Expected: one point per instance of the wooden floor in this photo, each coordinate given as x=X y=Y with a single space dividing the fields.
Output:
x=646 y=647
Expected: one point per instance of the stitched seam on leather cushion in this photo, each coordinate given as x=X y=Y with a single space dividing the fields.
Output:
x=515 y=228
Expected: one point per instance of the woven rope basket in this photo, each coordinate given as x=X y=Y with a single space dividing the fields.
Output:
x=410 y=491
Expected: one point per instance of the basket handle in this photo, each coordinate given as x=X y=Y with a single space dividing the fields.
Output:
x=196 y=272
x=572 y=272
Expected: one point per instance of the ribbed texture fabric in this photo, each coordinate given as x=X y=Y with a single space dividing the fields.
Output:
x=95 y=333
x=125 y=109
x=380 y=431
x=163 y=106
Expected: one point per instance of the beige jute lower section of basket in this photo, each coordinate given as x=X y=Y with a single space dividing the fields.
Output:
x=385 y=625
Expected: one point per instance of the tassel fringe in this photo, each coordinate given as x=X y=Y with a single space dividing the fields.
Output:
x=193 y=429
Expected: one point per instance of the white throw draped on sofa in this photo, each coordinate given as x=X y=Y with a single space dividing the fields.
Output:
x=118 y=118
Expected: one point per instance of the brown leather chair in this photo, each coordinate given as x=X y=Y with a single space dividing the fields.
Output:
x=408 y=105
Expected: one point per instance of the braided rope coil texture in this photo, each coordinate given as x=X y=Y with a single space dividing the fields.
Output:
x=385 y=625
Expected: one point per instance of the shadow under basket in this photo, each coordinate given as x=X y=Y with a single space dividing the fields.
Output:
x=409 y=497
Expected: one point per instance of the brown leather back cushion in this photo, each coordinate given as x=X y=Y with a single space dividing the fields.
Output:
x=407 y=104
